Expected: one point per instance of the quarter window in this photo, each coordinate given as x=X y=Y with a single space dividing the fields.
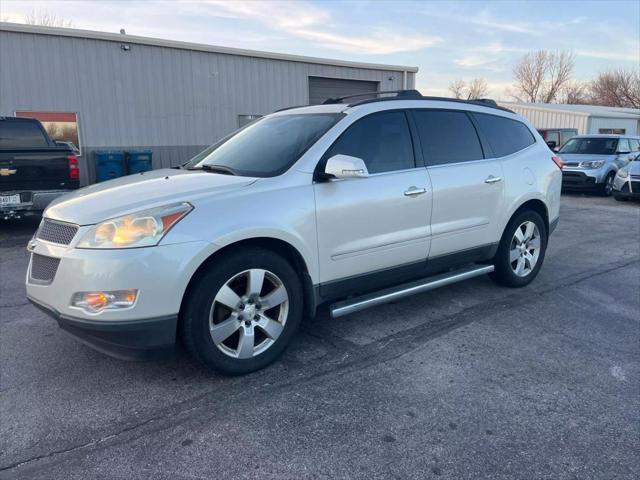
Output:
x=447 y=137
x=623 y=145
x=381 y=140
x=505 y=136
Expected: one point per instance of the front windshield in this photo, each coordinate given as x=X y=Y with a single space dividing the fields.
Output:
x=591 y=146
x=266 y=147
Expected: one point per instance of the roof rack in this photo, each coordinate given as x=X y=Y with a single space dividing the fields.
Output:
x=414 y=94
x=399 y=94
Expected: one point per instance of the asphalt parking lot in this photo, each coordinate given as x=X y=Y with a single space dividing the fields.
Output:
x=470 y=381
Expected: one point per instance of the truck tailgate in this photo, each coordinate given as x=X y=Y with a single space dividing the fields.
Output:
x=35 y=169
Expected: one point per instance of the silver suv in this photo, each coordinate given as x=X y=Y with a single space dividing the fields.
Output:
x=592 y=161
x=351 y=203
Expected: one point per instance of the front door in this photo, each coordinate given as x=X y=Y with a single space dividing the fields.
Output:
x=381 y=222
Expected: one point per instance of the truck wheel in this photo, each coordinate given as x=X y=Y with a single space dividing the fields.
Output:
x=607 y=186
x=243 y=311
x=521 y=250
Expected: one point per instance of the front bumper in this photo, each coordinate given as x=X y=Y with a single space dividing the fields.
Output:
x=161 y=275
x=579 y=180
x=128 y=340
x=31 y=202
x=626 y=187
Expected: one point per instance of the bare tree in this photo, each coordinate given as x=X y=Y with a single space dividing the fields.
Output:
x=540 y=76
x=475 y=88
x=616 y=88
x=46 y=19
x=575 y=93
x=457 y=88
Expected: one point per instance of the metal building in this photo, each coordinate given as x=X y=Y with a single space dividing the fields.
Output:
x=174 y=98
x=587 y=119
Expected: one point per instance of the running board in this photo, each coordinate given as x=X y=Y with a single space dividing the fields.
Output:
x=356 y=304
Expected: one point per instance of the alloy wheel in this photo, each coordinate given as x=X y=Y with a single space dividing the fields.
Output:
x=248 y=313
x=525 y=249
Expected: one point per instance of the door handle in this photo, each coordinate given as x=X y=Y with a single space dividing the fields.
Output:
x=414 y=191
x=492 y=179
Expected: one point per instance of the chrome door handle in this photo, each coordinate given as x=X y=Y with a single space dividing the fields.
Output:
x=492 y=179
x=413 y=191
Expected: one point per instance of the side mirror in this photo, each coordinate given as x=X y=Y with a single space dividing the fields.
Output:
x=345 y=166
x=552 y=145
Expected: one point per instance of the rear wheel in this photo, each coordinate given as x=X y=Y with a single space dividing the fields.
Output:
x=243 y=311
x=521 y=250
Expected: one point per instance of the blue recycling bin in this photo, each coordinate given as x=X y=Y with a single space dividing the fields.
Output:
x=109 y=164
x=139 y=161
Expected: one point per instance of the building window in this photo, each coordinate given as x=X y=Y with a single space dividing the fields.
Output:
x=61 y=126
x=612 y=131
x=247 y=119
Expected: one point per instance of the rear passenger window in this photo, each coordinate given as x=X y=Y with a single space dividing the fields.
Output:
x=447 y=137
x=505 y=136
x=635 y=145
x=382 y=140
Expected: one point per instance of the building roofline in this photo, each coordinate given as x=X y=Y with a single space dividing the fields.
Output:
x=200 y=47
x=597 y=112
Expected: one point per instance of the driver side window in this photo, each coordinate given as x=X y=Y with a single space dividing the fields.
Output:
x=382 y=140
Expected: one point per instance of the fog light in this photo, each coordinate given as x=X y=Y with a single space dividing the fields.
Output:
x=94 y=302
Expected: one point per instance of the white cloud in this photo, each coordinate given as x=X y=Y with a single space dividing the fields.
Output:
x=307 y=21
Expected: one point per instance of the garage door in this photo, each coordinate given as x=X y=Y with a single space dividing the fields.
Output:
x=321 y=88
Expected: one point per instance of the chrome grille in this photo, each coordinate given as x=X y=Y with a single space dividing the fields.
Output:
x=43 y=269
x=56 y=232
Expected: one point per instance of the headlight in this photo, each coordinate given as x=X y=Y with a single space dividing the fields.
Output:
x=623 y=173
x=141 y=229
x=592 y=164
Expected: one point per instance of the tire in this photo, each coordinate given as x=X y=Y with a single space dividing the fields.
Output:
x=607 y=186
x=250 y=330
x=526 y=261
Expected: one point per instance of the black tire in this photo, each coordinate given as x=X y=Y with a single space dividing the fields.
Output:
x=504 y=274
x=195 y=317
x=607 y=187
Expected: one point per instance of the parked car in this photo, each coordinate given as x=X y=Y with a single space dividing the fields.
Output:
x=306 y=206
x=557 y=137
x=592 y=161
x=33 y=169
x=627 y=182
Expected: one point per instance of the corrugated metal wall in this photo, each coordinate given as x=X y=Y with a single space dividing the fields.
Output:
x=630 y=125
x=171 y=100
x=552 y=119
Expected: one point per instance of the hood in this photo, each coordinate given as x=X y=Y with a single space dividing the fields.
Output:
x=578 y=157
x=632 y=167
x=133 y=193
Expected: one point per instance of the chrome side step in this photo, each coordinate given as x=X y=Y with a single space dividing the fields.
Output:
x=356 y=304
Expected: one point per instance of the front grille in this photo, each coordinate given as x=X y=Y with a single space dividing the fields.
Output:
x=571 y=164
x=635 y=186
x=43 y=269
x=56 y=232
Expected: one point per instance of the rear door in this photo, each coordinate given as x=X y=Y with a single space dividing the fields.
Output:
x=381 y=222
x=468 y=189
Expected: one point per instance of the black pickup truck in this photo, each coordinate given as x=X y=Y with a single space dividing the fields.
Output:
x=33 y=168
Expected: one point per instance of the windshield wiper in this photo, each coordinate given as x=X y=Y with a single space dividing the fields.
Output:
x=218 y=169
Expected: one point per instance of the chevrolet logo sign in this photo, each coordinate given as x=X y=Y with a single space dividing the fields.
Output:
x=5 y=172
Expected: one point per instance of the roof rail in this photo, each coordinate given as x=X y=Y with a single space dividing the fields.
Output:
x=399 y=94
x=482 y=102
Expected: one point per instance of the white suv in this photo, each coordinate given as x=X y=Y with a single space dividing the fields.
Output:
x=310 y=205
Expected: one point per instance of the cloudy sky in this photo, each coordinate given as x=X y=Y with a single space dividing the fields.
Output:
x=446 y=40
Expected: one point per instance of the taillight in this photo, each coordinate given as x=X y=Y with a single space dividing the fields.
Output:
x=558 y=161
x=74 y=171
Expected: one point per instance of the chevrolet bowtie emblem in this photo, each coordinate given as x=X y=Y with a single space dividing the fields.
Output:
x=5 y=172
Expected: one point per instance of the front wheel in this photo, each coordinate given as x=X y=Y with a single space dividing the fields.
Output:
x=607 y=187
x=243 y=311
x=521 y=250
